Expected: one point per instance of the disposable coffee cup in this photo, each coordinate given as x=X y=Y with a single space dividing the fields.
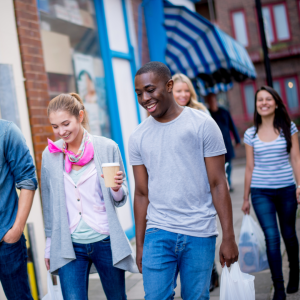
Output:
x=109 y=171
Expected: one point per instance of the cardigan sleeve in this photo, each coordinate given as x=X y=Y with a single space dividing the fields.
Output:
x=46 y=199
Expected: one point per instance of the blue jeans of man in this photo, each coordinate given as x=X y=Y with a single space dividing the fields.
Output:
x=13 y=270
x=74 y=276
x=166 y=253
x=266 y=203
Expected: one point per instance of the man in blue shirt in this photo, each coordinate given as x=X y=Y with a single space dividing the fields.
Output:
x=16 y=171
x=225 y=122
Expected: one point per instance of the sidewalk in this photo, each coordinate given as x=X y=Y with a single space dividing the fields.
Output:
x=263 y=283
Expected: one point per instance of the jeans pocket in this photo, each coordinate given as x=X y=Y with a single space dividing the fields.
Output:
x=106 y=240
x=151 y=230
x=12 y=244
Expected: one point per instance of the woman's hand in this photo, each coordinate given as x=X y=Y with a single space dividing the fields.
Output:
x=47 y=263
x=118 y=181
x=298 y=195
x=246 y=207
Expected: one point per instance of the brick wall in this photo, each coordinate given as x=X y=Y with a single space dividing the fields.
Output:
x=145 y=49
x=36 y=83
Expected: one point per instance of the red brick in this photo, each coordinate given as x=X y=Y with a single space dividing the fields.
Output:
x=29 y=33
x=28 y=24
x=26 y=15
x=38 y=112
x=31 y=50
x=42 y=129
x=37 y=85
x=34 y=67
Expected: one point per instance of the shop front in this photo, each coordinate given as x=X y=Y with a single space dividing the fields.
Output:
x=87 y=48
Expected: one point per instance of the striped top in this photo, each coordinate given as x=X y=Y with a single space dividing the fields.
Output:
x=272 y=168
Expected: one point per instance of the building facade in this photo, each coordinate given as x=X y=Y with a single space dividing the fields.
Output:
x=60 y=46
x=282 y=27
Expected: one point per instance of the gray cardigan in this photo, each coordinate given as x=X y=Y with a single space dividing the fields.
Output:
x=55 y=209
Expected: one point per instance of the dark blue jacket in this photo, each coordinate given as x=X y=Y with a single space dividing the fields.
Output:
x=225 y=122
x=16 y=171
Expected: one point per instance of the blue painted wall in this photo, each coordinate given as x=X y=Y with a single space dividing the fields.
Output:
x=156 y=33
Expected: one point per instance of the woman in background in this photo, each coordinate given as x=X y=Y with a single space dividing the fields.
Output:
x=185 y=94
x=269 y=177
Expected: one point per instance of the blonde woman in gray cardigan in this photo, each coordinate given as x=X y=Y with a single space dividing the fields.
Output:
x=82 y=228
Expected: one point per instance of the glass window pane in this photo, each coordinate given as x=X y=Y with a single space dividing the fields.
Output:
x=72 y=56
x=291 y=93
x=277 y=88
x=281 y=23
x=240 y=29
x=249 y=95
x=268 y=24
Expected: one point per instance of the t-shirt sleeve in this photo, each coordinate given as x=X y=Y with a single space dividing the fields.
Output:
x=294 y=128
x=135 y=158
x=213 y=143
x=248 y=138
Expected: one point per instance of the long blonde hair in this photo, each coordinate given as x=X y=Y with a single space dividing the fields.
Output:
x=72 y=103
x=193 y=103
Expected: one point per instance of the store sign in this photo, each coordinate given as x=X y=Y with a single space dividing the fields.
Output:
x=68 y=11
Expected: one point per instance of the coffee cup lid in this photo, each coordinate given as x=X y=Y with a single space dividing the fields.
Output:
x=111 y=165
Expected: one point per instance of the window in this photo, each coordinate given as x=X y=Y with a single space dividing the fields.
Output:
x=248 y=91
x=276 y=22
x=72 y=56
x=287 y=88
x=240 y=27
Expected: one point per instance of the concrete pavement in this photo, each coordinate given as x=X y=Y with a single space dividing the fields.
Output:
x=263 y=283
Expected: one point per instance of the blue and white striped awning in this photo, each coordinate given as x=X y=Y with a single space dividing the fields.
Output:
x=200 y=50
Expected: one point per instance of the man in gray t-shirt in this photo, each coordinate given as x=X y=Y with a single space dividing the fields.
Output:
x=178 y=162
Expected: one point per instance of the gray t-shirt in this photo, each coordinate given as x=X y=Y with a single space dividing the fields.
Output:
x=178 y=187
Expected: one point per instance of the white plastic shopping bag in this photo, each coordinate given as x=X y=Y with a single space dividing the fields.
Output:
x=236 y=285
x=54 y=291
x=252 y=247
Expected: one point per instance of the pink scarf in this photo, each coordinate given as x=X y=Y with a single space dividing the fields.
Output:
x=84 y=155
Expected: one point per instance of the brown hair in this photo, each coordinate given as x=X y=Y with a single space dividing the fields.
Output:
x=193 y=103
x=71 y=103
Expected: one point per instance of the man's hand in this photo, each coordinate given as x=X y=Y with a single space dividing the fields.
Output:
x=13 y=235
x=47 y=263
x=221 y=199
x=141 y=203
x=228 y=252
x=139 y=256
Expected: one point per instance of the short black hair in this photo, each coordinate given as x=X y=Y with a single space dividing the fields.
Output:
x=155 y=67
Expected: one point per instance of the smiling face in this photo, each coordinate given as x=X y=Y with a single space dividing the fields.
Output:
x=65 y=125
x=181 y=93
x=154 y=93
x=265 y=104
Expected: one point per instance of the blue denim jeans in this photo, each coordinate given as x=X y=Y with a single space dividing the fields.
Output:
x=74 y=276
x=13 y=270
x=267 y=203
x=166 y=253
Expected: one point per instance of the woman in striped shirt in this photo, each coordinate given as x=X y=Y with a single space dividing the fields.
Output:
x=269 y=177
